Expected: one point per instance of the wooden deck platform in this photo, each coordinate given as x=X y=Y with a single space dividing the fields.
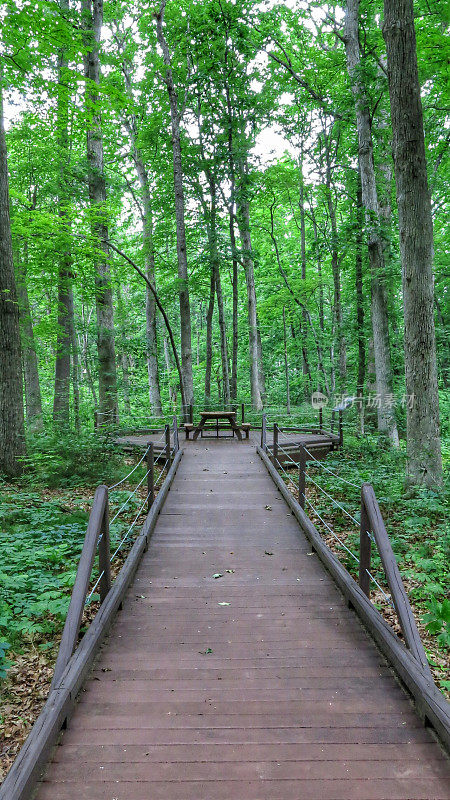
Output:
x=235 y=671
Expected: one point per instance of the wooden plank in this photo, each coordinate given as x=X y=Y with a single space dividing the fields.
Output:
x=257 y=684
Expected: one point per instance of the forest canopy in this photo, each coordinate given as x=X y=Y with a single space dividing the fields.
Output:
x=223 y=202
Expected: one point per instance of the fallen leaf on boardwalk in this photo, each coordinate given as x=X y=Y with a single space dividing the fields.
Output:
x=223 y=604
x=268 y=508
x=218 y=575
x=268 y=553
x=230 y=570
x=205 y=652
x=205 y=469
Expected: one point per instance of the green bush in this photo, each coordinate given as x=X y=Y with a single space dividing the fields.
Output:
x=68 y=459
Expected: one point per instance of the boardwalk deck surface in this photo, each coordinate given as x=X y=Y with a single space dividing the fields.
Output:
x=259 y=684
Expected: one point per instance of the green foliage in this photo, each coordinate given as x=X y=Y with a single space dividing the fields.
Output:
x=40 y=545
x=417 y=525
x=438 y=621
x=62 y=459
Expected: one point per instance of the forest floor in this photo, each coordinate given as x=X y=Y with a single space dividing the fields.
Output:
x=42 y=530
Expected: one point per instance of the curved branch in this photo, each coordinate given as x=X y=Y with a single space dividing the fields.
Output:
x=161 y=309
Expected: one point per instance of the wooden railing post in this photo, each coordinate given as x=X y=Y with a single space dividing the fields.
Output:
x=150 y=475
x=264 y=433
x=320 y=419
x=364 y=549
x=243 y=412
x=168 y=453
x=275 y=445
x=104 y=555
x=176 y=441
x=191 y=413
x=72 y=625
x=302 y=477
x=341 y=429
x=395 y=583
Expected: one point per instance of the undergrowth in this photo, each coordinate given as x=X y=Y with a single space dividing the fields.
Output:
x=417 y=525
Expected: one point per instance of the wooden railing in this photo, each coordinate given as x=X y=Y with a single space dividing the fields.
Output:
x=371 y=521
x=97 y=537
x=408 y=658
x=75 y=658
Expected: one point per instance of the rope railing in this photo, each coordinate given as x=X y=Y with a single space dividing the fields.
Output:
x=130 y=495
x=119 y=483
x=98 y=538
x=371 y=530
x=123 y=540
x=387 y=597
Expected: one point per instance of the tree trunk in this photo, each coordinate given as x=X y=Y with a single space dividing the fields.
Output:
x=199 y=328
x=223 y=336
x=209 y=319
x=234 y=352
x=149 y=250
x=320 y=365
x=172 y=392
x=152 y=348
x=335 y=267
x=75 y=364
x=256 y=368
x=12 y=426
x=360 y=305
x=33 y=399
x=286 y=365
x=92 y=13
x=215 y=266
x=304 y=328
x=61 y=399
x=126 y=381
x=416 y=244
x=380 y=323
x=183 y=279
x=150 y=303
x=86 y=356
x=61 y=402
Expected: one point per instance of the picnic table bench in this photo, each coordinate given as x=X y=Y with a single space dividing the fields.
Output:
x=215 y=416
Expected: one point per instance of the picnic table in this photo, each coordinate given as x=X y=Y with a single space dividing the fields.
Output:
x=208 y=416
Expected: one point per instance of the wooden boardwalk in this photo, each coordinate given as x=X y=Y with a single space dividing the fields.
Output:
x=259 y=684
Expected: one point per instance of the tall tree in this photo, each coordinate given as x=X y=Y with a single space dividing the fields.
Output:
x=360 y=302
x=12 y=425
x=183 y=277
x=61 y=404
x=33 y=399
x=380 y=321
x=416 y=244
x=92 y=13
x=146 y=212
x=335 y=259
x=257 y=381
